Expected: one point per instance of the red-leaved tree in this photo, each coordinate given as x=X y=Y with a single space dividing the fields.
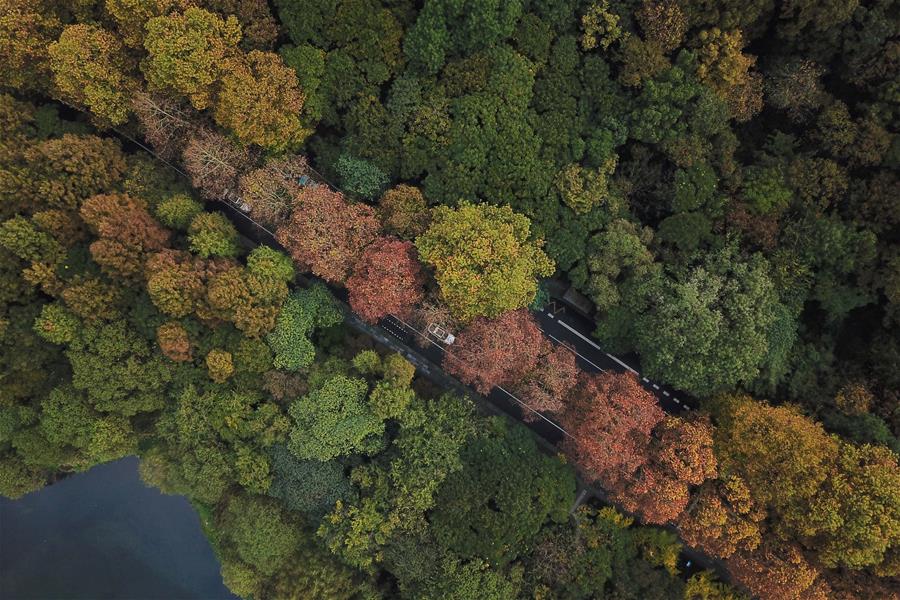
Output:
x=611 y=418
x=387 y=279
x=127 y=234
x=681 y=456
x=499 y=351
x=546 y=387
x=778 y=572
x=327 y=233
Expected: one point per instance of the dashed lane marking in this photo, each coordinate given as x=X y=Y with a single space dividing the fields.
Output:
x=665 y=393
x=677 y=401
x=645 y=380
x=655 y=387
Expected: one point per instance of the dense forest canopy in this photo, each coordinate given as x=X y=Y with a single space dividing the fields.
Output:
x=721 y=179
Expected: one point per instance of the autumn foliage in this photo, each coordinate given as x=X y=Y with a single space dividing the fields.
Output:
x=214 y=163
x=126 y=232
x=778 y=572
x=174 y=341
x=327 y=233
x=547 y=386
x=492 y=352
x=611 y=418
x=723 y=519
x=680 y=456
x=387 y=279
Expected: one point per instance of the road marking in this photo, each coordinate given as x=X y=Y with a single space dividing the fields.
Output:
x=665 y=393
x=677 y=401
x=538 y=413
x=549 y=314
x=573 y=351
x=572 y=329
x=655 y=387
x=645 y=380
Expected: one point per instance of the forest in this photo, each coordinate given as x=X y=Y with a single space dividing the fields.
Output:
x=719 y=178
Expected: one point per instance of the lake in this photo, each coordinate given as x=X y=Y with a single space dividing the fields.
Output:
x=104 y=534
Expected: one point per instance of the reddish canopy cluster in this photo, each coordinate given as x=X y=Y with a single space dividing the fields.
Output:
x=492 y=352
x=611 y=418
x=546 y=387
x=127 y=233
x=387 y=279
x=681 y=456
x=327 y=233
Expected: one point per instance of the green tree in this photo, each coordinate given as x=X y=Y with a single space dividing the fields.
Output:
x=270 y=263
x=399 y=486
x=187 y=52
x=444 y=28
x=91 y=68
x=178 y=211
x=614 y=255
x=259 y=532
x=212 y=234
x=497 y=503
x=360 y=177
x=69 y=421
x=118 y=369
x=303 y=312
x=335 y=420
x=704 y=328
x=485 y=260
x=311 y=487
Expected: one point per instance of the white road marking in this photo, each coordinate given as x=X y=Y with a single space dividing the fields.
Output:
x=677 y=401
x=573 y=351
x=655 y=387
x=665 y=393
x=538 y=413
x=645 y=380
x=572 y=329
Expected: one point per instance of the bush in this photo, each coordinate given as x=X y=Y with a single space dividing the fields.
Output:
x=361 y=177
x=178 y=211
x=212 y=234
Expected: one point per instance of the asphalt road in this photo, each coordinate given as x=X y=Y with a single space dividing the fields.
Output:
x=563 y=325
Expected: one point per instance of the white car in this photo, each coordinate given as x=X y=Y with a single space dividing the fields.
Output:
x=441 y=334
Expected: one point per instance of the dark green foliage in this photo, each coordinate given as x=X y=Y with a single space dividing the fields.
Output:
x=360 y=177
x=705 y=328
x=494 y=507
x=446 y=28
x=604 y=557
x=303 y=312
x=308 y=486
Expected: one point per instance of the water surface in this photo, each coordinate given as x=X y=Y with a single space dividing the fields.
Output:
x=103 y=534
